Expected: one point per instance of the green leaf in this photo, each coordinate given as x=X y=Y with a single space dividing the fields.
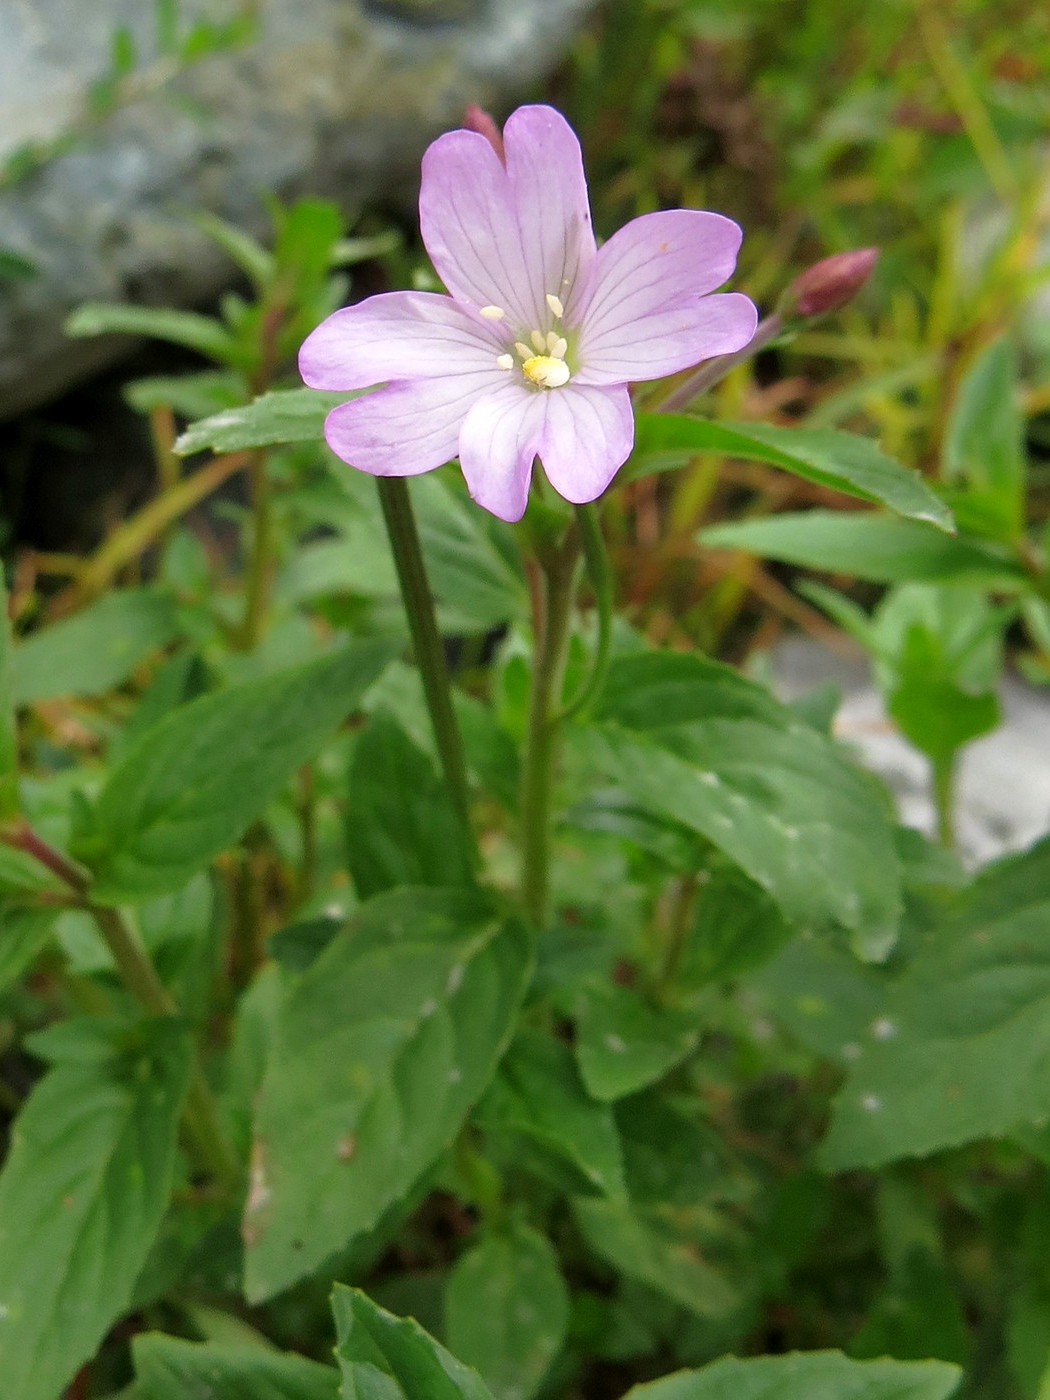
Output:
x=401 y=827
x=857 y=466
x=470 y=577
x=984 y=443
x=399 y=1022
x=168 y=1368
x=8 y=730
x=383 y=1357
x=248 y=254
x=196 y=332
x=23 y=932
x=15 y=266
x=643 y=1246
x=780 y=800
x=538 y=1093
x=198 y=778
x=507 y=1309
x=963 y=1044
x=623 y=1043
x=281 y=416
x=191 y=395
x=815 y=1375
x=872 y=547
x=83 y=1191
x=96 y=649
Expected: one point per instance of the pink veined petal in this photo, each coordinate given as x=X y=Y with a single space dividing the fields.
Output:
x=410 y=426
x=587 y=436
x=396 y=335
x=545 y=169
x=654 y=264
x=497 y=445
x=664 y=342
x=467 y=218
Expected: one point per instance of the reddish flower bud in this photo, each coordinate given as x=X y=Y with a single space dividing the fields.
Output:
x=477 y=119
x=829 y=284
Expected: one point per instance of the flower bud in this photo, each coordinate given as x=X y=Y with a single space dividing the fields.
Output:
x=828 y=284
x=477 y=119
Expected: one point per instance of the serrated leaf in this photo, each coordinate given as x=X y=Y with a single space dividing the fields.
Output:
x=168 y=1368
x=199 y=777
x=873 y=547
x=83 y=1191
x=643 y=1246
x=780 y=800
x=189 y=328
x=96 y=649
x=963 y=1049
x=381 y=1047
x=816 y=1375
x=507 y=1309
x=401 y=827
x=538 y=1093
x=624 y=1043
x=281 y=416
x=383 y=1357
x=855 y=465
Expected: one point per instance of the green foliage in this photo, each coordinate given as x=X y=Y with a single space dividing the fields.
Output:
x=8 y=732
x=817 y=1376
x=400 y=1023
x=82 y=1192
x=167 y=1368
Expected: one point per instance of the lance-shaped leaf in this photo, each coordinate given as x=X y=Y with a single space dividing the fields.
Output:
x=281 y=416
x=196 y=780
x=381 y=1046
x=82 y=1193
x=383 y=1357
x=855 y=465
x=816 y=1375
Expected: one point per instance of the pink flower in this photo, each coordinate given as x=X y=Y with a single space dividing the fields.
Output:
x=531 y=354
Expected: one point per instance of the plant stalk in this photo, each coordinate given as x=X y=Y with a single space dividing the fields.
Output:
x=599 y=575
x=426 y=644
x=707 y=375
x=554 y=614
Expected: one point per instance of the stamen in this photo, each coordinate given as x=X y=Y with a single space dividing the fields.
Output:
x=555 y=304
x=505 y=361
x=556 y=345
x=522 y=349
x=492 y=313
x=538 y=341
x=546 y=372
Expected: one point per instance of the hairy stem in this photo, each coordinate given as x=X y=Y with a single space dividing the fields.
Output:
x=426 y=643
x=554 y=613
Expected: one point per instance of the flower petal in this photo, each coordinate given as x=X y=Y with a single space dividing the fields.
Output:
x=497 y=446
x=588 y=434
x=655 y=264
x=410 y=426
x=506 y=236
x=396 y=335
x=667 y=341
x=545 y=168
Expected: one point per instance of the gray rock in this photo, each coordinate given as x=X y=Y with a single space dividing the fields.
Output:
x=1003 y=786
x=332 y=96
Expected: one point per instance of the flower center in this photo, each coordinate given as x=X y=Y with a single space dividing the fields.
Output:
x=543 y=360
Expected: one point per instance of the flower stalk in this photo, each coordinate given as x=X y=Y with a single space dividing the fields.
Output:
x=600 y=577
x=554 y=594
x=426 y=644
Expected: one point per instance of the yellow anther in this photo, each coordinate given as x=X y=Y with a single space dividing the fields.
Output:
x=556 y=345
x=546 y=372
x=539 y=342
x=505 y=361
x=555 y=304
x=492 y=313
x=522 y=349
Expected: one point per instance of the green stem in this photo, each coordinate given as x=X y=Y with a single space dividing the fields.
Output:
x=554 y=614
x=426 y=643
x=944 y=799
x=200 y=1113
x=599 y=574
